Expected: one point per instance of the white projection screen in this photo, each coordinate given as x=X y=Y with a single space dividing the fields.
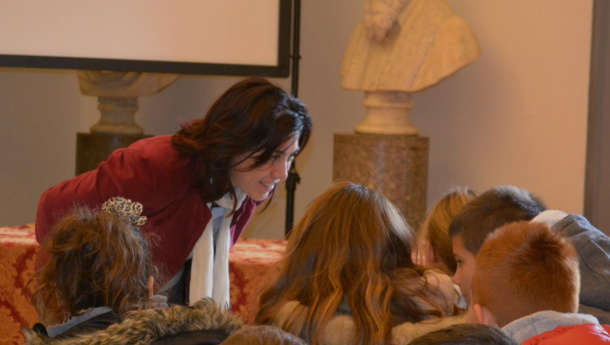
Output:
x=216 y=37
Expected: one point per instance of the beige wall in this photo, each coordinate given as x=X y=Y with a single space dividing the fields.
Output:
x=516 y=116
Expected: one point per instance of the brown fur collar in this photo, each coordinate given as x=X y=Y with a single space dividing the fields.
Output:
x=142 y=327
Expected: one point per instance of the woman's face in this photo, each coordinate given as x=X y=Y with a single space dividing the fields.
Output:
x=258 y=183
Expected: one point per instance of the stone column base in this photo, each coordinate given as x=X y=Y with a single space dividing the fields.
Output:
x=94 y=148
x=395 y=166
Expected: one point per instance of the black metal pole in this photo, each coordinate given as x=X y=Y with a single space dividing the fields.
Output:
x=296 y=54
x=293 y=176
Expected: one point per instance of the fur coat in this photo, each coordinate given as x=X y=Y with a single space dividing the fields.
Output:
x=150 y=326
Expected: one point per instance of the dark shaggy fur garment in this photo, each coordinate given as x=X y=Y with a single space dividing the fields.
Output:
x=143 y=327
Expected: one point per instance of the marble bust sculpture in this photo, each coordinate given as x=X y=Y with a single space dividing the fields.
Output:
x=118 y=94
x=402 y=47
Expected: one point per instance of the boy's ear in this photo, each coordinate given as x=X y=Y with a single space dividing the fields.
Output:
x=484 y=316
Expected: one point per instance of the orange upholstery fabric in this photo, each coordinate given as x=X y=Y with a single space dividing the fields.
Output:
x=253 y=263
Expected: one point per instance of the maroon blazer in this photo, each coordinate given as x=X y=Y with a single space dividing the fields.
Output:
x=154 y=174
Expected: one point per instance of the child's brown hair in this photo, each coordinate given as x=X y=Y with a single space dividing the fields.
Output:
x=354 y=247
x=95 y=258
x=435 y=227
x=262 y=335
x=523 y=268
x=466 y=334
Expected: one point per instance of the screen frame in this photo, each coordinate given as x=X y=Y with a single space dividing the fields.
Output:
x=280 y=70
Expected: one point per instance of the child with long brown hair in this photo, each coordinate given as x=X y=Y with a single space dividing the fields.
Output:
x=434 y=248
x=98 y=263
x=348 y=276
x=97 y=283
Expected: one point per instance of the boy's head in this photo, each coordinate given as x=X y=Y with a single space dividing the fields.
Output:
x=479 y=217
x=523 y=268
x=466 y=333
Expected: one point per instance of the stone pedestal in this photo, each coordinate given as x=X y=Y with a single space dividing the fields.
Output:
x=387 y=112
x=116 y=129
x=396 y=166
x=117 y=116
x=94 y=148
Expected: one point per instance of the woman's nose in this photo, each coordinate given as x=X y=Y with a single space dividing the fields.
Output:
x=280 y=170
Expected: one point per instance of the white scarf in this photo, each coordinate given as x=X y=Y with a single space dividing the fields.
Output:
x=209 y=269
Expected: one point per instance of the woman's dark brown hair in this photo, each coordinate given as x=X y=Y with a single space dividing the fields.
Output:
x=253 y=117
x=94 y=259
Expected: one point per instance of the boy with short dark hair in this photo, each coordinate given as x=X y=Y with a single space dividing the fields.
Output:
x=492 y=209
x=526 y=280
x=481 y=216
x=466 y=334
x=262 y=335
x=506 y=204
